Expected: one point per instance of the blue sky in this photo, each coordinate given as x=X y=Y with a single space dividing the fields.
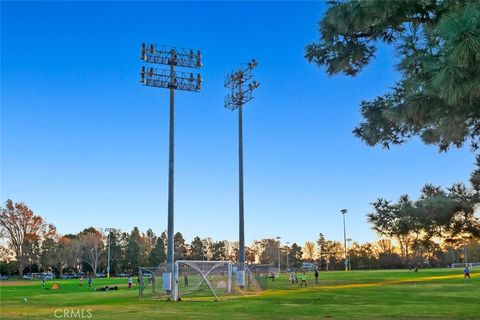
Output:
x=83 y=143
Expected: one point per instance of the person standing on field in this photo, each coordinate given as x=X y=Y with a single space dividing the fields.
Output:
x=130 y=280
x=303 y=279
x=90 y=281
x=292 y=277
x=466 y=273
x=316 y=276
x=185 y=279
x=80 y=281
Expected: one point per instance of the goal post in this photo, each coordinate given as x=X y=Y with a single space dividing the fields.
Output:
x=42 y=275
x=263 y=273
x=202 y=279
x=154 y=282
x=196 y=280
x=463 y=265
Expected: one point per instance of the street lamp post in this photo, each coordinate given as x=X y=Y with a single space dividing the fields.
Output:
x=278 y=238
x=241 y=93
x=172 y=80
x=288 y=252
x=94 y=261
x=109 y=230
x=344 y=211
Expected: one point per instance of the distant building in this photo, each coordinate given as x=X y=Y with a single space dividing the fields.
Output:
x=308 y=266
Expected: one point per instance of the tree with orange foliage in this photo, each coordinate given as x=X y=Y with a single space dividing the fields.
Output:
x=24 y=230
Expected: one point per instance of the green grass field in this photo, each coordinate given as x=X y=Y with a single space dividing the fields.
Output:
x=398 y=294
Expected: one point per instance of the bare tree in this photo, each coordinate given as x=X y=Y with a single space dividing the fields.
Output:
x=91 y=249
x=66 y=253
x=267 y=250
x=309 y=251
x=24 y=231
x=250 y=255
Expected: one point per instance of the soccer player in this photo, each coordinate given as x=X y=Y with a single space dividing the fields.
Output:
x=316 y=276
x=130 y=280
x=80 y=281
x=292 y=277
x=90 y=280
x=304 y=279
x=185 y=279
x=466 y=273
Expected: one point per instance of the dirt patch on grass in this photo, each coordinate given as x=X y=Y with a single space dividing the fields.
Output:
x=15 y=283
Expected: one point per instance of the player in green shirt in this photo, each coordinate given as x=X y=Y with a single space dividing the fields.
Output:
x=304 y=279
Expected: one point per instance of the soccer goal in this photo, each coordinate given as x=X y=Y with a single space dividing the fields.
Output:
x=263 y=274
x=202 y=279
x=205 y=280
x=42 y=275
x=463 y=265
x=196 y=281
x=155 y=282
x=245 y=282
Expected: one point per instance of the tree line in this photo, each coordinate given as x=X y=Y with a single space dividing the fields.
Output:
x=32 y=245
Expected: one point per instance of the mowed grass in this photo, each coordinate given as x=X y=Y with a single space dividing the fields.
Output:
x=396 y=294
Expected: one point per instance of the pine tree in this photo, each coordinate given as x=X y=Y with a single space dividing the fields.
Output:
x=438 y=43
x=180 y=250
x=197 y=250
x=295 y=255
x=218 y=251
x=157 y=255
x=133 y=253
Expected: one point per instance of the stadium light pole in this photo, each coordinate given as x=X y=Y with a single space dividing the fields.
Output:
x=349 y=263
x=172 y=80
x=241 y=93
x=109 y=230
x=278 y=238
x=344 y=211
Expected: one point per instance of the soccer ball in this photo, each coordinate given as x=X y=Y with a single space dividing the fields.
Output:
x=24 y=299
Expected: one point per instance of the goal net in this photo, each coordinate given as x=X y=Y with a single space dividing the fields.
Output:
x=197 y=280
x=42 y=275
x=155 y=282
x=264 y=273
x=202 y=279
x=245 y=282
x=463 y=265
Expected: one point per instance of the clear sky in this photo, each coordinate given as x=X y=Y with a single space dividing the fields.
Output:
x=84 y=144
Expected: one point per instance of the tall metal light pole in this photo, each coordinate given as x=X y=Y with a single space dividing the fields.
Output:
x=344 y=211
x=172 y=80
x=241 y=93
x=109 y=230
x=278 y=238
x=348 y=250
x=288 y=252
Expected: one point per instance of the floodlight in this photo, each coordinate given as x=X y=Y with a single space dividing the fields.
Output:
x=172 y=80
x=241 y=93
